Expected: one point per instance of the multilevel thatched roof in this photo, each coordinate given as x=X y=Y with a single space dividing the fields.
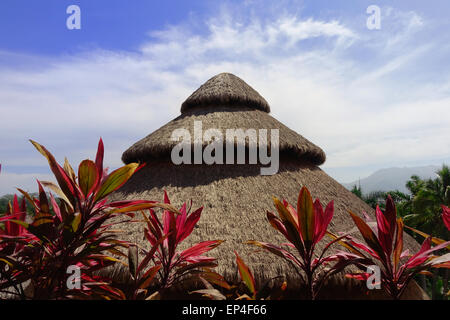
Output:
x=236 y=197
x=223 y=102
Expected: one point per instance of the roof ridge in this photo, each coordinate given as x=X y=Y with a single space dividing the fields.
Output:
x=225 y=89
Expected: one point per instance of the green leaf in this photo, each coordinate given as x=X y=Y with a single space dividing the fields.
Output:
x=284 y=213
x=87 y=176
x=76 y=221
x=306 y=217
x=246 y=275
x=21 y=223
x=115 y=180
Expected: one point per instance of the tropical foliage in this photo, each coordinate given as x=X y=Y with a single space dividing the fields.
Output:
x=385 y=248
x=67 y=227
x=421 y=211
x=68 y=235
x=304 y=228
x=164 y=236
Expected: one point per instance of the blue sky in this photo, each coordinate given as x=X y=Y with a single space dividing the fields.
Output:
x=370 y=98
x=39 y=26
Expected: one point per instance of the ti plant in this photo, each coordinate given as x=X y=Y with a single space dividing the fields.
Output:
x=247 y=277
x=385 y=248
x=304 y=228
x=235 y=291
x=70 y=232
x=13 y=239
x=165 y=236
x=446 y=216
x=13 y=236
x=249 y=280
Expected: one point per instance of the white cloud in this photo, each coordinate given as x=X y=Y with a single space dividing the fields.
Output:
x=408 y=23
x=309 y=70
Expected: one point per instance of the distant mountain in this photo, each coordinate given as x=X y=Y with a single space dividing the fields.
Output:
x=393 y=178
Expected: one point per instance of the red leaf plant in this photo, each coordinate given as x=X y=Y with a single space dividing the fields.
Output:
x=384 y=247
x=446 y=216
x=14 y=236
x=304 y=228
x=69 y=231
x=165 y=236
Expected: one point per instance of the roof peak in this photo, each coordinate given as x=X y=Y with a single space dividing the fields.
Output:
x=225 y=89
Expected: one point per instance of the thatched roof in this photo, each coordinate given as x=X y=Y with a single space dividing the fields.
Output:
x=225 y=89
x=237 y=107
x=236 y=197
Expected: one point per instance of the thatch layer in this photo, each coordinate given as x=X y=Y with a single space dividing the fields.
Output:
x=225 y=89
x=159 y=144
x=235 y=200
x=236 y=197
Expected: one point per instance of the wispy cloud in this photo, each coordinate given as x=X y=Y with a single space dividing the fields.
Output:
x=385 y=109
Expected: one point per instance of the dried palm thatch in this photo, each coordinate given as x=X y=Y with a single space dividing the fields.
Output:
x=225 y=89
x=159 y=143
x=236 y=197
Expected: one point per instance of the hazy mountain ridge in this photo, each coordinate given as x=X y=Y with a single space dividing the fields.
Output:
x=393 y=178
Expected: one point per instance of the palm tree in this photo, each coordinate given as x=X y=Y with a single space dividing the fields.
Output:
x=427 y=198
